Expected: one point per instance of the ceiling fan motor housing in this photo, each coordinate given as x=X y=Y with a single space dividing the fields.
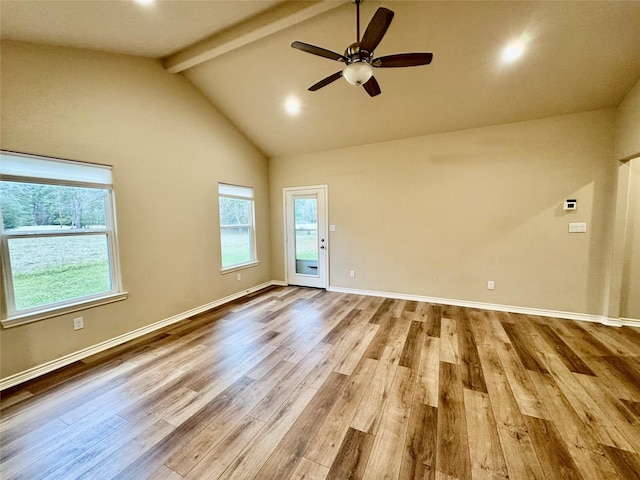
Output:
x=354 y=54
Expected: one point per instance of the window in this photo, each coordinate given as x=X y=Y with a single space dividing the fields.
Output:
x=237 y=232
x=58 y=236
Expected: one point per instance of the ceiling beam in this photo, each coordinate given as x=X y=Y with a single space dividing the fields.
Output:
x=282 y=16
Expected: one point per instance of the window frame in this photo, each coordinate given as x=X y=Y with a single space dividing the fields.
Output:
x=11 y=316
x=239 y=189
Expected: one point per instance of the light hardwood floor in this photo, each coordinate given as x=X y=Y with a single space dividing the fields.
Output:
x=295 y=383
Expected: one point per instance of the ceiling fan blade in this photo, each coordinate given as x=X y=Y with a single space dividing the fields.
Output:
x=325 y=81
x=376 y=29
x=321 y=52
x=372 y=87
x=403 y=60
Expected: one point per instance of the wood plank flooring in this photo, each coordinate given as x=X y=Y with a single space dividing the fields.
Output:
x=296 y=383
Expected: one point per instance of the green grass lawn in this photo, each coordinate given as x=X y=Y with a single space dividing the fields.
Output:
x=55 y=285
x=306 y=245
x=236 y=247
x=52 y=269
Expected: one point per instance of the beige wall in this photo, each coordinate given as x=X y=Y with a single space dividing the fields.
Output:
x=623 y=289
x=628 y=125
x=628 y=145
x=630 y=298
x=441 y=215
x=435 y=216
x=169 y=147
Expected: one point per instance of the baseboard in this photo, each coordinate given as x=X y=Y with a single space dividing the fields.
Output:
x=52 y=365
x=630 y=322
x=486 y=306
x=611 y=322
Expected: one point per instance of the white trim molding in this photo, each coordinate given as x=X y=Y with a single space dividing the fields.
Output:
x=63 y=310
x=611 y=322
x=585 y=317
x=65 y=360
x=630 y=322
x=52 y=365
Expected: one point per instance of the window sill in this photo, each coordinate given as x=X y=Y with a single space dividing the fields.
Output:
x=21 y=319
x=235 y=268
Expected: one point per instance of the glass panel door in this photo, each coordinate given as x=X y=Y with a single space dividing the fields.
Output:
x=306 y=235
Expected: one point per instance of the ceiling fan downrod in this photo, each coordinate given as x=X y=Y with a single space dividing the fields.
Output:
x=357 y=2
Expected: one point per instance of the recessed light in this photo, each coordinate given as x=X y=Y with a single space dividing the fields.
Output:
x=292 y=106
x=145 y=2
x=512 y=52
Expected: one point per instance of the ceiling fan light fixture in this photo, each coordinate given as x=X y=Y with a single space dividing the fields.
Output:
x=357 y=73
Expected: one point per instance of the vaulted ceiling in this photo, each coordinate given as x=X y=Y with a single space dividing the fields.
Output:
x=578 y=56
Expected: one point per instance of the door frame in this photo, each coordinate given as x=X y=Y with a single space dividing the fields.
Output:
x=325 y=262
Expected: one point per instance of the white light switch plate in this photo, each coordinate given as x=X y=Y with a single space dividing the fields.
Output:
x=577 y=227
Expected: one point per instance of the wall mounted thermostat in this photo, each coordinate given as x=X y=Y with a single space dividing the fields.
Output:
x=570 y=204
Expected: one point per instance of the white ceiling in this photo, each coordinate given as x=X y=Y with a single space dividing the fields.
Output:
x=581 y=55
x=123 y=26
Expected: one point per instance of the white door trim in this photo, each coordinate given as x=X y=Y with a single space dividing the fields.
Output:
x=325 y=261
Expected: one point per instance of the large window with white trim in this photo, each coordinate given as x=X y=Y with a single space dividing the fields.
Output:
x=237 y=231
x=59 y=250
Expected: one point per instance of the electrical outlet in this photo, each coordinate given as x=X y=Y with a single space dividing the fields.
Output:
x=238 y=276
x=352 y=273
x=491 y=285
x=78 y=323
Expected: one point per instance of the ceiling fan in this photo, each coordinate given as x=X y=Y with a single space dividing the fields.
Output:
x=358 y=56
